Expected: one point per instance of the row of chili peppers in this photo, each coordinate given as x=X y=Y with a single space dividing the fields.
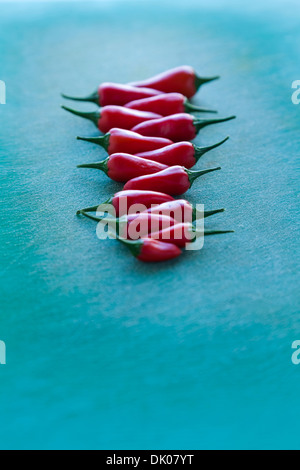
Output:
x=147 y=137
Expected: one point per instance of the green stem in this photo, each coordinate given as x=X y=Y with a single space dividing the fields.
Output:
x=103 y=165
x=103 y=141
x=194 y=174
x=200 y=123
x=98 y=219
x=93 y=98
x=135 y=246
x=206 y=213
x=209 y=232
x=94 y=208
x=217 y=232
x=88 y=209
x=200 y=151
x=190 y=107
x=201 y=80
x=94 y=116
x=83 y=212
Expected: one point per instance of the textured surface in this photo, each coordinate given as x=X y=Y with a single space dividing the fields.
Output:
x=103 y=351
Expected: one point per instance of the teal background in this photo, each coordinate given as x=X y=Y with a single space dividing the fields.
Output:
x=106 y=352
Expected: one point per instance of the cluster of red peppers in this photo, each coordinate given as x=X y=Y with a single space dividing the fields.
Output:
x=147 y=132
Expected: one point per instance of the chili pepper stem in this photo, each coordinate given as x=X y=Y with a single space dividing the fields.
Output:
x=194 y=174
x=94 y=116
x=93 y=98
x=200 y=151
x=208 y=213
x=209 y=232
x=103 y=141
x=216 y=232
x=82 y=212
x=201 y=80
x=88 y=209
x=200 y=123
x=94 y=208
x=103 y=166
x=192 y=107
x=135 y=246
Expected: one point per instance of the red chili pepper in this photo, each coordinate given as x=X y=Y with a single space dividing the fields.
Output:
x=182 y=153
x=122 y=167
x=115 y=116
x=124 y=200
x=177 y=210
x=177 y=127
x=180 y=210
x=181 y=234
x=181 y=79
x=174 y=180
x=115 y=93
x=166 y=104
x=121 y=140
x=133 y=226
x=149 y=250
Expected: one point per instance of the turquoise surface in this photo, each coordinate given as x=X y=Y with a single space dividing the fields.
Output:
x=106 y=352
